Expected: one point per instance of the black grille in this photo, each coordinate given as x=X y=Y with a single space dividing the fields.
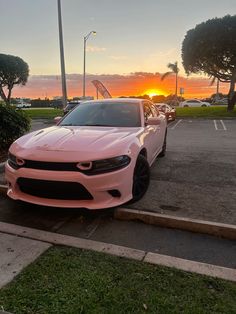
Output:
x=45 y=165
x=54 y=189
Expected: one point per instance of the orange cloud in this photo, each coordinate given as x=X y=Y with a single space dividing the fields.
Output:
x=118 y=85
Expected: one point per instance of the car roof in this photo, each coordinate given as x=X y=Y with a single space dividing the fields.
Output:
x=120 y=100
x=192 y=99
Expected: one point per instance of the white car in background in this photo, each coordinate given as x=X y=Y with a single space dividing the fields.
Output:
x=194 y=103
x=23 y=105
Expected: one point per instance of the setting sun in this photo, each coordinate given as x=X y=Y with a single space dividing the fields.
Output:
x=154 y=92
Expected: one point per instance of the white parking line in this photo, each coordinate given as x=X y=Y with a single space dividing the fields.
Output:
x=170 y=124
x=215 y=125
x=220 y=129
x=224 y=127
x=173 y=127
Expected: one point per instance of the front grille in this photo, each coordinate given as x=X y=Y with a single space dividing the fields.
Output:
x=45 y=165
x=54 y=189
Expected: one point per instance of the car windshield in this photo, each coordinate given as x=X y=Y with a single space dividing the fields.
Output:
x=113 y=114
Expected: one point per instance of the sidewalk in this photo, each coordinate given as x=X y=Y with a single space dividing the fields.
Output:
x=16 y=253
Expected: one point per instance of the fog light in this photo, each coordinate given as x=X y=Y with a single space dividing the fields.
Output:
x=114 y=193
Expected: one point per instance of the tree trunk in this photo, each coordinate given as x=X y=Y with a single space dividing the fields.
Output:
x=176 y=88
x=2 y=94
x=9 y=95
x=232 y=93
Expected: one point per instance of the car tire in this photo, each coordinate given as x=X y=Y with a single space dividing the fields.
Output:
x=163 y=151
x=141 y=179
x=185 y=106
x=203 y=105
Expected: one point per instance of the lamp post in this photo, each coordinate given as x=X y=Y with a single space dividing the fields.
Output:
x=85 y=40
x=63 y=75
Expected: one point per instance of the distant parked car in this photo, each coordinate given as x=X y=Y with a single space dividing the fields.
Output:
x=169 y=112
x=23 y=105
x=71 y=105
x=194 y=103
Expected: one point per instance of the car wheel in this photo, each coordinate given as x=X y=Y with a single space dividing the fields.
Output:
x=141 y=178
x=203 y=106
x=163 y=151
x=185 y=105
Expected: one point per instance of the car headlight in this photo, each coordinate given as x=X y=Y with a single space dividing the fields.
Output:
x=104 y=165
x=15 y=162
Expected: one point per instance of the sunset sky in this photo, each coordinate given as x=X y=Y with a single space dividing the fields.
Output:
x=135 y=41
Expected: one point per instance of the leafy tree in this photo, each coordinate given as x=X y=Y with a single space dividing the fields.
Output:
x=13 y=71
x=174 y=69
x=210 y=48
x=13 y=124
x=158 y=98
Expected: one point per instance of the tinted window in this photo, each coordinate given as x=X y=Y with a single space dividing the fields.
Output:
x=104 y=114
x=193 y=101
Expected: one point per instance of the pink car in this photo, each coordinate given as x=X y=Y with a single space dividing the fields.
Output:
x=98 y=156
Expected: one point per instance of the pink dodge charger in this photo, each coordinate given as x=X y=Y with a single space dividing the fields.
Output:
x=98 y=156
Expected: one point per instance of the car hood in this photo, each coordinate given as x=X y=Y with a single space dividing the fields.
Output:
x=67 y=143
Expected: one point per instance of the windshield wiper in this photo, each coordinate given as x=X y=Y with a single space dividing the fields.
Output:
x=97 y=124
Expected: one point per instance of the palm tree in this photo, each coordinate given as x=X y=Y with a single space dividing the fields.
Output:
x=174 y=69
x=217 y=85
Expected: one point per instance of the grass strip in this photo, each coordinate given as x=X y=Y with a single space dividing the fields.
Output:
x=68 y=280
x=205 y=112
x=43 y=113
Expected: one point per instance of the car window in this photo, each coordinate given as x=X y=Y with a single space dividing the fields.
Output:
x=147 y=111
x=154 y=110
x=117 y=114
x=194 y=101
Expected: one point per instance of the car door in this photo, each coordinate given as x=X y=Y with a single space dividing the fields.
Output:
x=161 y=130
x=196 y=103
x=152 y=132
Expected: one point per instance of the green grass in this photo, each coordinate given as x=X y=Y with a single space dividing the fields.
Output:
x=73 y=281
x=206 y=112
x=43 y=113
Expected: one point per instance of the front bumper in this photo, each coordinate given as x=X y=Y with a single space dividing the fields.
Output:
x=97 y=185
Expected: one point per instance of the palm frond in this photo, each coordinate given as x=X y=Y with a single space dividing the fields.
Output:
x=213 y=81
x=165 y=75
x=173 y=67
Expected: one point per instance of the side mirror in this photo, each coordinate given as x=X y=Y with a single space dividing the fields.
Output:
x=57 y=120
x=153 y=121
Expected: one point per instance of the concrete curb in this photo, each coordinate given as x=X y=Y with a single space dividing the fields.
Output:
x=200 y=226
x=148 y=257
x=60 y=239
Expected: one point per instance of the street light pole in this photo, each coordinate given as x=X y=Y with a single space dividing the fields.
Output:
x=63 y=75
x=84 y=75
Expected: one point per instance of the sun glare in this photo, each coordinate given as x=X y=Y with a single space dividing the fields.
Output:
x=153 y=92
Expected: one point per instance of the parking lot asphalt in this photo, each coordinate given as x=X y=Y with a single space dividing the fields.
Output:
x=196 y=179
